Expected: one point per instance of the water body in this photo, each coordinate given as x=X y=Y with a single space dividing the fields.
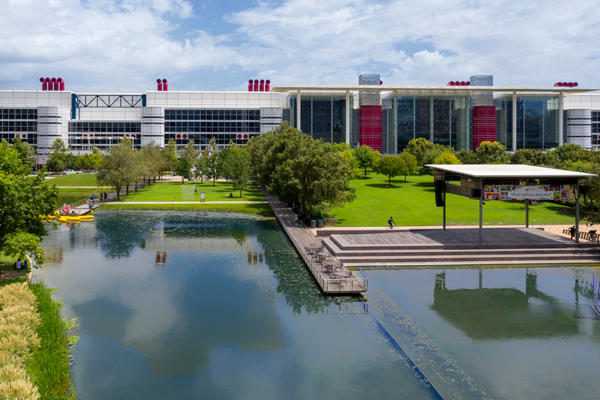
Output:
x=175 y=305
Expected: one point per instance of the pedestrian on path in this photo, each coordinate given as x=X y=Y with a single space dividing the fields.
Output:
x=391 y=222
x=195 y=189
x=18 y=264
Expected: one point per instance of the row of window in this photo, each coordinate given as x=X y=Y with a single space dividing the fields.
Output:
x=18 y=113
x=202 y=139
x=78 y=141
x=105 y=127
x=212 y=126
x=30 y=138
x=18 y=126
x=595 y=124
x=216 y=115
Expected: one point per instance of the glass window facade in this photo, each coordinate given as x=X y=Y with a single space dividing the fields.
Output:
x=537 y=122
x=202 y=125
x=19 y=121
x=443 y=120
x=323 y=117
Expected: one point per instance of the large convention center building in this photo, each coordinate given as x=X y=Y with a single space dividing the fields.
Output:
x=461 y=114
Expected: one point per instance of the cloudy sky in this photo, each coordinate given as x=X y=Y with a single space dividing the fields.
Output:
x=219 y=44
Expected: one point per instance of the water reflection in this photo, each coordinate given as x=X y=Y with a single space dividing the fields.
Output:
x=500 y=313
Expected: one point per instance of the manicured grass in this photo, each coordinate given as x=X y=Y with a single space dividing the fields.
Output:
x=412 y=203
x=7 y=262
x=254 y=209
x=67 y=196
x=177 y=191
x=74 y=180
x=48 y=367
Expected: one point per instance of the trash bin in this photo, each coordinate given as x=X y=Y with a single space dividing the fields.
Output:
x=313 y=223
x=319 y=223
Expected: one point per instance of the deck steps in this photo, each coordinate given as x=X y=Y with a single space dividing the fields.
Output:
x=407 y=254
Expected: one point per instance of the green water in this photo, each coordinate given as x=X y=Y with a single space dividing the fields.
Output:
x=178 y=305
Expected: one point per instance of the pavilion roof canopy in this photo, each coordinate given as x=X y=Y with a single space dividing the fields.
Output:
x=455 y=90
x=509 y=171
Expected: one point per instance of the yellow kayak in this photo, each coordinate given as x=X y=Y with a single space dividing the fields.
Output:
x=87 y=217
x=73 y=219
x=63 y=219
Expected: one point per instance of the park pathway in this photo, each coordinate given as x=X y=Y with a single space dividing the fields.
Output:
x=331 y=276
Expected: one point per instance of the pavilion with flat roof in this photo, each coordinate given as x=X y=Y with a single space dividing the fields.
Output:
x=507 y=182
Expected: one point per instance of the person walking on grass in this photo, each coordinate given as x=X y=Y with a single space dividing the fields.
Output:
x=391 y=222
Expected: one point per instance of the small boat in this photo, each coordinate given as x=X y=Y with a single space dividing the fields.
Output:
x=73 y=219
x=86 y=218
x=63 y=219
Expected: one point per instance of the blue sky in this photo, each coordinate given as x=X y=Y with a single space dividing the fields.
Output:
x=124 y=45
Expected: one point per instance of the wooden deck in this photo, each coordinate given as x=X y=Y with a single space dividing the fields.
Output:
x=464 y=246
x=331 y=276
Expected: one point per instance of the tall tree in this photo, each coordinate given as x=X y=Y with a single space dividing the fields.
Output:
x=57 y=159
x=238 y=167
x=23 y=200
x=365 y=157
x=170 y=154
x=214 y=161
x=305 y=173
x=412 y=167
x=26 y=151
x=391 y=166
x=183 y=168
x=119 y=167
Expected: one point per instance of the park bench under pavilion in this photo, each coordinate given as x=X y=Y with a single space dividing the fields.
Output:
x=507 y=182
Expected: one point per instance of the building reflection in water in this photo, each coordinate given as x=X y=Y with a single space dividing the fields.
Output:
x=503 y=313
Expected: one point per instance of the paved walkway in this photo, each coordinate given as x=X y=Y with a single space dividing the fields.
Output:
x=84 y=187
x=555 y=229
x=190 y=202
x=331 y=276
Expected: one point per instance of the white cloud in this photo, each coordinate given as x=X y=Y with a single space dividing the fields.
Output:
x=110 y=44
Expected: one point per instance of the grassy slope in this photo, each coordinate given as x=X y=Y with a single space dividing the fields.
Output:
x=74 y=180
x=66 y=196
x=412 y=203
x=176 y=191
x=49 y=365
x=255 y=209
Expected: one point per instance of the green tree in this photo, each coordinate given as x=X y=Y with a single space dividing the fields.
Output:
x=238 y=167
x=190 y=152
x=57 y=159
x=412 y=167
x=467 y=157
x=119 y=167
x=491 y=153
x=183 y=168
x=214 y=161
x=365 y=157
x=528 y=156
x=23 y=200
x=25 y=150
x=447 y=157
x=200 y=166
x=391 y=166
x=305 y=173
x=170 y=155
x=419 y=148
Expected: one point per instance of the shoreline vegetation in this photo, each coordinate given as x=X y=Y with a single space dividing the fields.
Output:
x=34 y=347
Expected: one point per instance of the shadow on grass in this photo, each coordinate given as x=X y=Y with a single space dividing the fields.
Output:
x=562 y=210
x=384 y=185
x=424 y=184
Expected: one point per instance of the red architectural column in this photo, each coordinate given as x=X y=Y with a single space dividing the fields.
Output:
x=484 y=125
x=370 y=126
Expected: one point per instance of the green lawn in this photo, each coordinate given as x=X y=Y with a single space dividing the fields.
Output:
x=74 y=180
x=49 y=364
x=176 y=191
x=412 y=203
x=252 y=208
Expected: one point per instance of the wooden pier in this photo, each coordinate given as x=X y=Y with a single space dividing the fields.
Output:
x=331 y=276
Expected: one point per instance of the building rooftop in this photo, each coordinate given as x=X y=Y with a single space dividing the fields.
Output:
x=507 y=171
